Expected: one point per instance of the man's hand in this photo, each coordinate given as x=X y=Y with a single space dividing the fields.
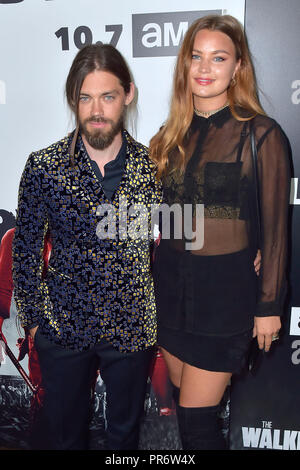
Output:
x=257 y=262
x=266 y=329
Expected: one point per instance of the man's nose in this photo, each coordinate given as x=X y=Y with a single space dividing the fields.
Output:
x=97 y=108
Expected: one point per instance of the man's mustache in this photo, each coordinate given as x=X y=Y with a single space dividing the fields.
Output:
x=97 y=119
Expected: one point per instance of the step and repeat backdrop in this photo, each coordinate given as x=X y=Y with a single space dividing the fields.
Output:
x=38 y=41
x=265 y=406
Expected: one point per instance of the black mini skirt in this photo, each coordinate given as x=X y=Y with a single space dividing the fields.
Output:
x=205 y=306
x=213 y=353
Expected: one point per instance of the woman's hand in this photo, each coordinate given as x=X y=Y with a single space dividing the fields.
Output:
x=257 y=262
x=266 y=329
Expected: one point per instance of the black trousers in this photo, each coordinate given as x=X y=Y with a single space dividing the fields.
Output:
x=67 y=377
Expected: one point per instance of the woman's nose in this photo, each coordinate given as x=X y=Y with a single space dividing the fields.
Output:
x=204 y=65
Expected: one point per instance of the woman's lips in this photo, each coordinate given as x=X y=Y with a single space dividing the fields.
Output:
x=204 y=81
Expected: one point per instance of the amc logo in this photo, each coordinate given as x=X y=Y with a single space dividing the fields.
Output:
x=160 y=34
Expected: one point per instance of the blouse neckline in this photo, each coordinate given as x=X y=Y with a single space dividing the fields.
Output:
x=218 y=118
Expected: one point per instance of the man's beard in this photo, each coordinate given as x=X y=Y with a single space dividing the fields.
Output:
x=99 y=139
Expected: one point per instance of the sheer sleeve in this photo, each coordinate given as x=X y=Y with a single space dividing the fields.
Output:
x=274 y=182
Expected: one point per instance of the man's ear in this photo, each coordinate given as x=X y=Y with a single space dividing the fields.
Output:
x=130 y=94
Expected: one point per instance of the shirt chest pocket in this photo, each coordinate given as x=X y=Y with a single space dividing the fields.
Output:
x=222 y=183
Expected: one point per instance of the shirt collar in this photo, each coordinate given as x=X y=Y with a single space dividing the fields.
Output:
x=118 y=161
x=218 y=119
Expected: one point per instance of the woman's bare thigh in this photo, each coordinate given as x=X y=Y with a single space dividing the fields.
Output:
x=198 y=387
x=174 y=366
x=201 y=387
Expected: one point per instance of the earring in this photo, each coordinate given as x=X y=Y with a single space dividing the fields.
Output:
x=233 y=81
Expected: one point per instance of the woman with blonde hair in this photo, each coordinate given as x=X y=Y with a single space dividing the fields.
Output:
x=210 y=303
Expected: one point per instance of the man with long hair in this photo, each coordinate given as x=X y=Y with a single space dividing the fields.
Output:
x=95 y=307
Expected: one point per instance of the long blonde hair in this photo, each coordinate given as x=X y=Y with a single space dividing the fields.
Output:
x=242 y=94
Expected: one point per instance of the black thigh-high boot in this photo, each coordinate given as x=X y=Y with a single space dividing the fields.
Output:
x=199 y=428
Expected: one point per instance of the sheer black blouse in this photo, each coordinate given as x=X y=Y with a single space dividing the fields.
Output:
x=219 y=175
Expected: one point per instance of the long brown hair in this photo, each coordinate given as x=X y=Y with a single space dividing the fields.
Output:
x=90 y=58
x=241 y=94
x=95 y=57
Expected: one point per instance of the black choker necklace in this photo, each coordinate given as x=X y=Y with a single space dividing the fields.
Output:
x=207 y=114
